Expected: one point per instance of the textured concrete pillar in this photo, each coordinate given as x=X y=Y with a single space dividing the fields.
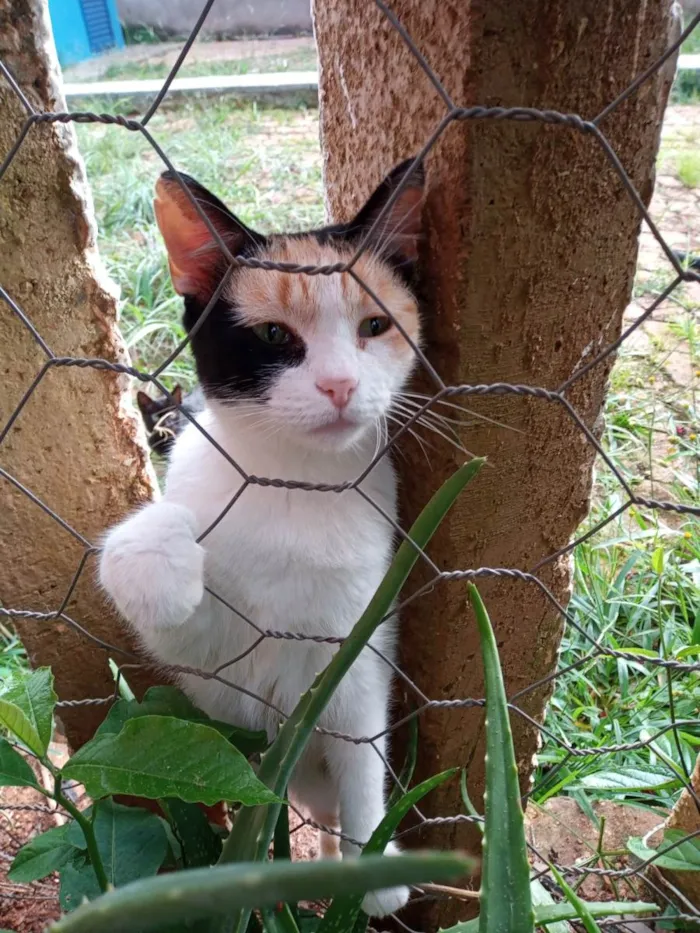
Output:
x=686 y=817
x=75 y=444
x=526 y=269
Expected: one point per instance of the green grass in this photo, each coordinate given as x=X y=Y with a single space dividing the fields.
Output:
x=636 y=589
x=686 y=87
x=263 y=162
x=13 y=657
x=689 y=169
x=297 y=60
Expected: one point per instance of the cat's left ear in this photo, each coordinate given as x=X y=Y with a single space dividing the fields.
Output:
x=399 y=232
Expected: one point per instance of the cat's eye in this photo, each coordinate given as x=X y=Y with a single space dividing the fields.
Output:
x=374 y=326
x=274 y=334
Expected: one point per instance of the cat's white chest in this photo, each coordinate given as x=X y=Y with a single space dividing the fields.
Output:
x=291 y=559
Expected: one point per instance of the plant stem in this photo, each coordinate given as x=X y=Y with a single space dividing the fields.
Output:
x=88 y=832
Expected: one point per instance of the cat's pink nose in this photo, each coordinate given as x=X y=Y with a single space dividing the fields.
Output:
x=337 y=390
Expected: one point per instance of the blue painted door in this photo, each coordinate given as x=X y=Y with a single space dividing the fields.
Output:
x=83 y=28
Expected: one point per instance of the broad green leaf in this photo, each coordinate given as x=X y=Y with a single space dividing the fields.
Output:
x=26 y=709
x=14 y=770
x=169 y=701
x=627 y=779
x=585 y=916
x=505 y=865
x=683 y=857
x=254 y=827
x=199 y=843
x=556 y=913
x=343 y=912
x=158 y=756
x=131 y=841
x=44 y=854
x=218 y=892
x=78 y=882
x=657 y=560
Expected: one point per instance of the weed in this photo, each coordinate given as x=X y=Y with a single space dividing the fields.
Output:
x=689 y=169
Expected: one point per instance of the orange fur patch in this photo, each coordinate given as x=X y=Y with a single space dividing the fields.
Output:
x=299 y=301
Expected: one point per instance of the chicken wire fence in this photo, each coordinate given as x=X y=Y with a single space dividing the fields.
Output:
x=576 y=748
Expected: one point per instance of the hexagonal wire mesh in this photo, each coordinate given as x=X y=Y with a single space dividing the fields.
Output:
x=453 y=112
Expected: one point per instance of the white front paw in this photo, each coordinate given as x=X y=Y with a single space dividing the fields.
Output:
x=153 y=568
x=389 y=900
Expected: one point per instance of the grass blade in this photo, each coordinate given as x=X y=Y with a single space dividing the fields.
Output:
x=409 y=765
x=505 y=899
x=252 y=831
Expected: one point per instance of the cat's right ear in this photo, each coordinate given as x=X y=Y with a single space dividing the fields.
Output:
x=195 y=258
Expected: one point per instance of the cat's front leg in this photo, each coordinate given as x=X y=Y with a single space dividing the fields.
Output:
x=359 y=771
x=152 y=567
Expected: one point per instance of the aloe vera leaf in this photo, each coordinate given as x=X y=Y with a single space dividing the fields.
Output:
x=547 y=914
x=505 y=899
x=343 y=912
x=181 y=897
x=252 y=831
x=279 y=920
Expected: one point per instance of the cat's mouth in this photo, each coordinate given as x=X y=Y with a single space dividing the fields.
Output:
x=339 y=426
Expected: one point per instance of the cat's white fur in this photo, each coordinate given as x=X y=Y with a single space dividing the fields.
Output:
x=290 y=560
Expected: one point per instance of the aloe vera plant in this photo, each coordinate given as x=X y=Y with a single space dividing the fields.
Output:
x=205 y=892
x=505 y=900
x=253 y=829
x=505 y=896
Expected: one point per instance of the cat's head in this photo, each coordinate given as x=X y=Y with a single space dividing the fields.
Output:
x=315 y=353
x=160 y=418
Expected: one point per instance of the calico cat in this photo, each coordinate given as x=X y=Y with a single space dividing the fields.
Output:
x=162 y=418
x=300 y=374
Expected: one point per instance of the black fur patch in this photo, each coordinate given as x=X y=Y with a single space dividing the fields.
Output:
x=232 y=362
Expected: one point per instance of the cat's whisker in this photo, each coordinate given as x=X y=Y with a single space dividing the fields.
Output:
x=435 y=430
x=425 y=419
x=447 y=419
x=421 y=442
x=469 y=411
x=426 y=416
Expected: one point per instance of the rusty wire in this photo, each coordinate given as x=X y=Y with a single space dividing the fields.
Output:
x=558 y=398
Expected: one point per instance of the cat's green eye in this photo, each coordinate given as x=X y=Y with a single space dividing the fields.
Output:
x=274 y=334
x=374 y=326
